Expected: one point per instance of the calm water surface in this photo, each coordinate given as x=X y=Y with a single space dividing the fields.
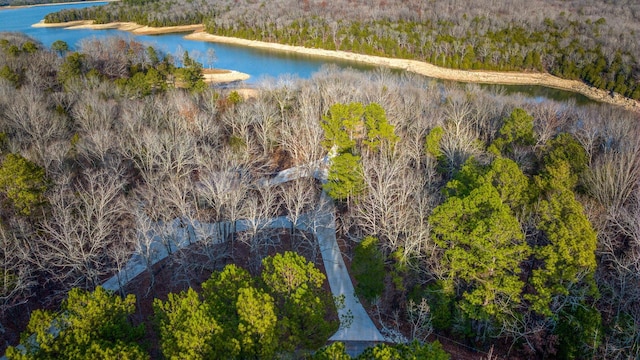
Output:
x=258 y=63
x=255 y=62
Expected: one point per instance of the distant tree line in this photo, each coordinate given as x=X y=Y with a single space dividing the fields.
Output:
x=566 y=43
x=33 y=2
x=144 y=12
x=487 y=218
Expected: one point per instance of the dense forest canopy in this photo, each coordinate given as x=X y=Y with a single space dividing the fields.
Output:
x=490 y=219
x=592 y=41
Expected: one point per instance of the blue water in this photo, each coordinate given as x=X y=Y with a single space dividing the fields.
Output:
x=20 y=20
x=257 y=63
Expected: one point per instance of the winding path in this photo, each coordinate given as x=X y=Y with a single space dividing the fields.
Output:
x=361 y=327
x=356 y=327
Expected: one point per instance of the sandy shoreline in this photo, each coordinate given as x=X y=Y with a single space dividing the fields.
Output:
x=124 y=26
x=419 y=67
x=218 y=76
x=426 y=69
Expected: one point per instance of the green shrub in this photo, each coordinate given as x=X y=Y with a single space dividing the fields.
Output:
x=579 y=332
x=368 y=269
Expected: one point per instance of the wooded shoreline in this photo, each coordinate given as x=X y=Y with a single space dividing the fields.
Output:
x=418 y=67
x=218 y=76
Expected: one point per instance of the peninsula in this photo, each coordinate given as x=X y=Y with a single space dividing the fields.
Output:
x=196 y=32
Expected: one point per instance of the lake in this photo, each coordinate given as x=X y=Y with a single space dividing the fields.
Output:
x=255 y=62
x=258 y=63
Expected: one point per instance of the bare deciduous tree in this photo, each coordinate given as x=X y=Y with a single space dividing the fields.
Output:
x=33 y=125
x=264 y=124
x=387 y=209
x=419 y=316
x=613 y=178
x=86 y=220
x=259 y=212
x=16 y=272
x=223 y=188
x=299 y=197
x=459 y=139
x=548 y=119
x=301 y=134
